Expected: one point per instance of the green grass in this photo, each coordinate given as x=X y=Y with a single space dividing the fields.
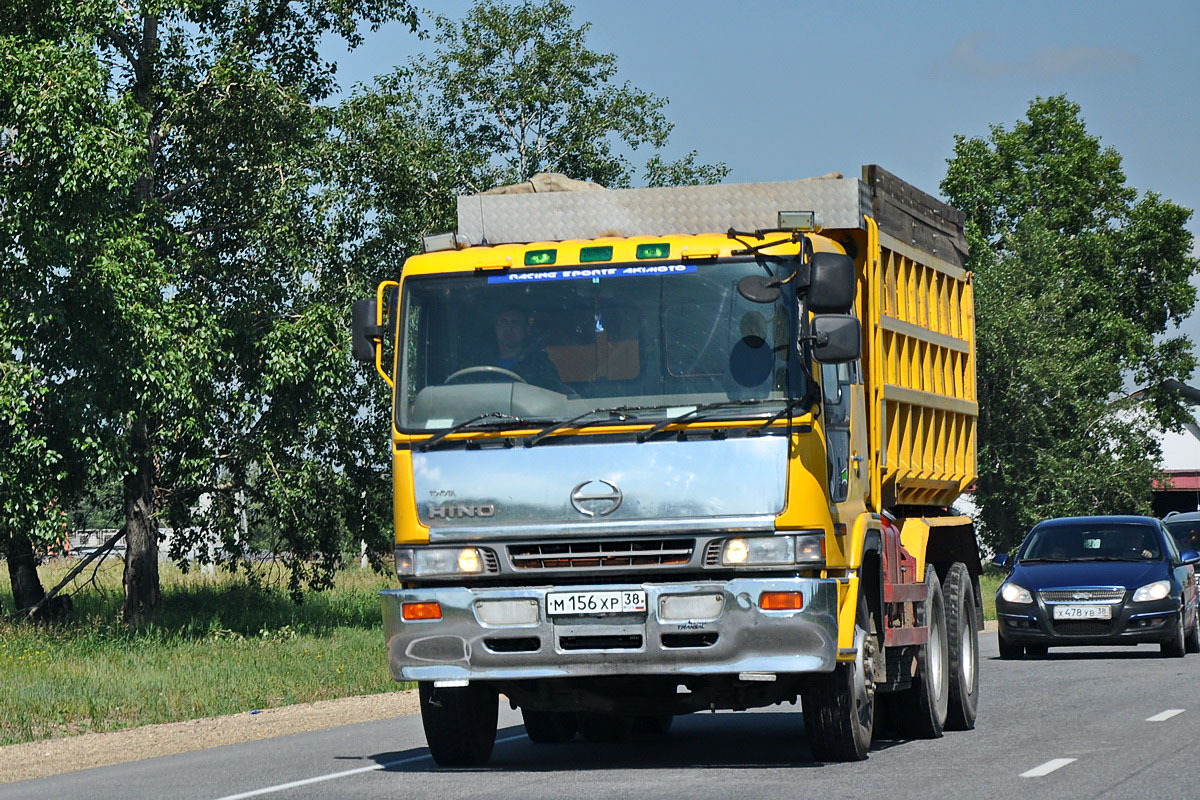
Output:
x=221 y=646
x=989 y=582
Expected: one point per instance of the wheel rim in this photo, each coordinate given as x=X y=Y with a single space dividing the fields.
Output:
x=864 y=678
x=968 y=652
x=937 y=630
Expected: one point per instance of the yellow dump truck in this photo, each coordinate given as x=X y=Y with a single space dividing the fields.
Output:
x=666 y=450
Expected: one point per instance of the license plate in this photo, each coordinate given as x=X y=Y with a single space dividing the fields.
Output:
x=1083 y=612
x=588 y=603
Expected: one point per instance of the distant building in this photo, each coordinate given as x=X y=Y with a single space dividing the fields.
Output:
x=1179 y=490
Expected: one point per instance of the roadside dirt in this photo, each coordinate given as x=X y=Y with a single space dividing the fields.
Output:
x=19 y=762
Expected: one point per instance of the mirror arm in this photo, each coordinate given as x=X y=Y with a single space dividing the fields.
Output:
x=376 y=334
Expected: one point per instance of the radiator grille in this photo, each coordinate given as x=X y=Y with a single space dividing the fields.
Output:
x=1083 y=627
x=602 y=554
x=1082 y=595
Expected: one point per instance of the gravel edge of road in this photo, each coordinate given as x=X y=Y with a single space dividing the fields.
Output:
x=29 y=760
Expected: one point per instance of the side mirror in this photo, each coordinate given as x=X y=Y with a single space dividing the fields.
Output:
x=831 y=286
x=365 y=334
x=1002 y=560
x=837 y=338
x=1190 y=557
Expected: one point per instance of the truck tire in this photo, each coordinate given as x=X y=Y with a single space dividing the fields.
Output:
x=459 y=722
x=1008 y=650
x=605 y=727
x=1174 y=647
x=549 y=727
x=839 y=706
x=920 y=711
x=963 y=646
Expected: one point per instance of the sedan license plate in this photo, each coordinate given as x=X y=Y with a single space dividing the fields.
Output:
x=588 y=603
x=1083 y=612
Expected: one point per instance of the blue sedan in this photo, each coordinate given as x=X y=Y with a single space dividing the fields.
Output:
x=1098 y=581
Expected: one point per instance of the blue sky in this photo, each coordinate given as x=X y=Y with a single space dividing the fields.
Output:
x=783 y=90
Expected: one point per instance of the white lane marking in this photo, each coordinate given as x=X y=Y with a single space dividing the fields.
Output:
x=1166 y=715
x=335 y=775
x=1047 y=768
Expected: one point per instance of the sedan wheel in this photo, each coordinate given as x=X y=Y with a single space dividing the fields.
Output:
x=1174 y=647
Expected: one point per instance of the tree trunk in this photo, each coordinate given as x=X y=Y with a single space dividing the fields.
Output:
x=22 y=571
x=142 y=596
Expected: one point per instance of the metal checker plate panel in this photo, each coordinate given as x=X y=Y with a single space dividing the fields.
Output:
x=554 y=216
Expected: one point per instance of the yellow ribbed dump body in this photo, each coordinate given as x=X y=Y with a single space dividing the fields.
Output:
x=919 y=332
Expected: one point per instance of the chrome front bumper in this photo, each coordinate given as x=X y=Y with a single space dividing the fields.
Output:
x=738 y=637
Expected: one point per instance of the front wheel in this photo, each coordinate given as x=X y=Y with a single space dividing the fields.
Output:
x=839 y=706
x=1191 y=642
x=1174 y=647
x=1010 y=651
x=459 y=722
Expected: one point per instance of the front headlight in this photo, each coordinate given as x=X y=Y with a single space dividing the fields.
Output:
x=423 y=562
x=773 y=550
x=1014 y=593
x=1152 y=591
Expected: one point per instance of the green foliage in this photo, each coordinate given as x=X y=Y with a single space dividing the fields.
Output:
x=520 y=85
x=221 y=646
x=168 y=263
x=1076 y=280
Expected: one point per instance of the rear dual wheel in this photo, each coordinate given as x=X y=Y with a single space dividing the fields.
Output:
x=963 y=650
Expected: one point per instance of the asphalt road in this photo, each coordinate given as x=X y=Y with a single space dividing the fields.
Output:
x=1083 y=722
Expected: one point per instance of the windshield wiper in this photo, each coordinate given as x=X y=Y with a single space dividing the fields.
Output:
x=619 y=413
x=787 y=410
x=695 y=415
x=502 y=420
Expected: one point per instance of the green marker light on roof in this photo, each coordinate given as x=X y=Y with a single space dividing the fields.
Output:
x=588 y=255
x=540 y=258
x=658 y=250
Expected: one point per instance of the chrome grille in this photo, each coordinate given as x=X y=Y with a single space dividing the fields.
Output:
x=602 y=554
x=1083 y=595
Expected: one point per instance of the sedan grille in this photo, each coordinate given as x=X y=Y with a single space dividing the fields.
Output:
x=1083 y=595
x=602 y=554
x=1083 y=627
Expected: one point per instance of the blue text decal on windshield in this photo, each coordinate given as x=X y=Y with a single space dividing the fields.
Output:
x=595 y=272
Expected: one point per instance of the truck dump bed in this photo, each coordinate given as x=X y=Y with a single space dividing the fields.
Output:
x=917 y=311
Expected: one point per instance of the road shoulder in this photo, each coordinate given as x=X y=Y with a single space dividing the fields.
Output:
x=26 y=761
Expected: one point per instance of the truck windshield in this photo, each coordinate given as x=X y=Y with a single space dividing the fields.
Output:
x=549 y=345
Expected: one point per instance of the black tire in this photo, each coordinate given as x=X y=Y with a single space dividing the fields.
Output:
x=839 y=706
x=605 y=727
x=1010 y=651
x=549 y=727
x=963 y=641
x=1191 y=642
x=460 y=723
x=920 y=711
x=658 y=725
x=1174 y=648
x=1037 y=650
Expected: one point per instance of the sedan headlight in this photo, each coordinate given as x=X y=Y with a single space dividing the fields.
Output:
x=1152 y=591
x=1015 y=593
x=773 y=550
x=422 y=562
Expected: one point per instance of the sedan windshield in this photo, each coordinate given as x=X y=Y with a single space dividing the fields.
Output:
x=641 y=341
x=1092 y=542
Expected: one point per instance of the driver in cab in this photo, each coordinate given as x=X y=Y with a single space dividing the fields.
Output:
x=518 y=352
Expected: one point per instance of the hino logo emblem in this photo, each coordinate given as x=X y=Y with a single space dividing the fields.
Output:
x=596 y=498
x=455 y=511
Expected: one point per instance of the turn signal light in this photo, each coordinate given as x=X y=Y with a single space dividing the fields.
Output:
x=781 y=601
x=413 y=611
